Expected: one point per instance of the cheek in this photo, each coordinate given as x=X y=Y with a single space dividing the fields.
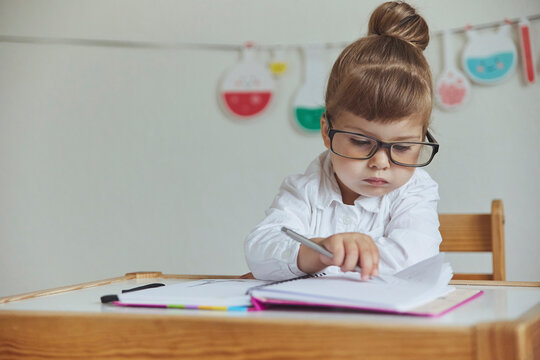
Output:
x=343 y=166
x=402 y=175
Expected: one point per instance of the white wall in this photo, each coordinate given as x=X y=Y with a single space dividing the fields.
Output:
x=116 y=160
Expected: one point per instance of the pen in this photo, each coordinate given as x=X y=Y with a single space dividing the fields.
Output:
x=111 y=298
x=144 y=287
x=312 y=245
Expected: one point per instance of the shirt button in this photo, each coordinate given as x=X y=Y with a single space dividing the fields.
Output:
x=347 y=220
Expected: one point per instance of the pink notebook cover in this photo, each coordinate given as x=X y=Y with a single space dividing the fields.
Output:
x=436 y=308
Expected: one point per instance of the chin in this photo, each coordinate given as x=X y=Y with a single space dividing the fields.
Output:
x=373 y=191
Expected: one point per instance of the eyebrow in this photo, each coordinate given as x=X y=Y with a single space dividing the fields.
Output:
x=407 y=138
x=399 y=138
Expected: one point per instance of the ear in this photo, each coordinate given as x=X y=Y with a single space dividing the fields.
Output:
x=324 y=132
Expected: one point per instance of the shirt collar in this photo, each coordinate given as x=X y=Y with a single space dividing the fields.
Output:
x=329 y=189
x=371 y=204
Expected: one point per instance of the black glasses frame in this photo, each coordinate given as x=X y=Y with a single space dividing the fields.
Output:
x=383 y=144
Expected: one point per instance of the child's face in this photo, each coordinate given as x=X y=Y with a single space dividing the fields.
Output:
x=378 y=175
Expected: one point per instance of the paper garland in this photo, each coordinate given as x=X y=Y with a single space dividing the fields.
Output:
x=487 y=59
x=491 y=58
x=452 y=89
x=527 y=52
x=247 y=89
x=278 y=65
x=309 y=100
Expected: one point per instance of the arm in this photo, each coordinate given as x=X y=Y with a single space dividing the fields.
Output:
x=271 y=254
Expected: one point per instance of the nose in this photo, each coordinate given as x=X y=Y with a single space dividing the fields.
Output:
x=380 y=160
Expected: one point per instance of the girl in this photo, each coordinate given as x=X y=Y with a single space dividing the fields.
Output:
x=365 y=199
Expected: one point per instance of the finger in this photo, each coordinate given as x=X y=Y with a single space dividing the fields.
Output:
x=375 y=258
x=351 y=256
x=337 y=248
x=366 y=262
x=326 y=260
x=335 y=245
x=376 y=261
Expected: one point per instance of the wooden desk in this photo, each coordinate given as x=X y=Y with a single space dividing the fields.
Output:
x=71 y=323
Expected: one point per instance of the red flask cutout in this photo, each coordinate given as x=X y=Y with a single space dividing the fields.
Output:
x=248 y=88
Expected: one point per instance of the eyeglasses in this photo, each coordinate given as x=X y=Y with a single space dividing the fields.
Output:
x=362 y=147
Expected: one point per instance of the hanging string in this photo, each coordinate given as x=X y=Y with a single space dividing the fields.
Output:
x=114 y=43
x=488 y=25
x=227 y=47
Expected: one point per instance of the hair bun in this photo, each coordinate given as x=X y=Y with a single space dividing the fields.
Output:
x=399 y=19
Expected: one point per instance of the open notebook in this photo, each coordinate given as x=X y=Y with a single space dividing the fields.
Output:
x=207 y=294
x=421 y=289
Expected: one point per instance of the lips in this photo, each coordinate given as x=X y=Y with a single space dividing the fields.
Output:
x=376 y=181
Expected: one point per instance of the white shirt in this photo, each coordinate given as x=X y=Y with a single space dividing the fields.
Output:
x=403 y=223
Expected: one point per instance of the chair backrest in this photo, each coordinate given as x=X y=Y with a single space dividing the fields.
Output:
x=474 y=233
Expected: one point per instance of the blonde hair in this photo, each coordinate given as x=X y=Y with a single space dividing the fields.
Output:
x=384 y=76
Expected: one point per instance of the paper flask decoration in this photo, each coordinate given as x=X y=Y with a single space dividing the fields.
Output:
x=452 y=89
x=248 y=88
x=490 y=58
x=309 y=101
x=527 y=53
x=278 y=65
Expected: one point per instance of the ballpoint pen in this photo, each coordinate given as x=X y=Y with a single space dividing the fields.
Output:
x=314 y=246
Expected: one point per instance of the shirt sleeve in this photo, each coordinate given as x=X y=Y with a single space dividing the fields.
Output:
x=271 y=254
x=412 y=233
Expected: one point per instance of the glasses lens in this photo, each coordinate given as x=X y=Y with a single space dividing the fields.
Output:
x=353 y=146
x=411 y=153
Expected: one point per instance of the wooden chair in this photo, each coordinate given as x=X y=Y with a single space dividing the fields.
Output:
x=474 y=233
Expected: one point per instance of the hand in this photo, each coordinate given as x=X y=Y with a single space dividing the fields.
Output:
x=350 y=250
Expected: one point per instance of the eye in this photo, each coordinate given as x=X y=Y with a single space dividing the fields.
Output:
x=359 y=141
x=401 y=147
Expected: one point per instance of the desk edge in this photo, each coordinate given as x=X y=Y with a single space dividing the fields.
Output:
x=157 y=274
